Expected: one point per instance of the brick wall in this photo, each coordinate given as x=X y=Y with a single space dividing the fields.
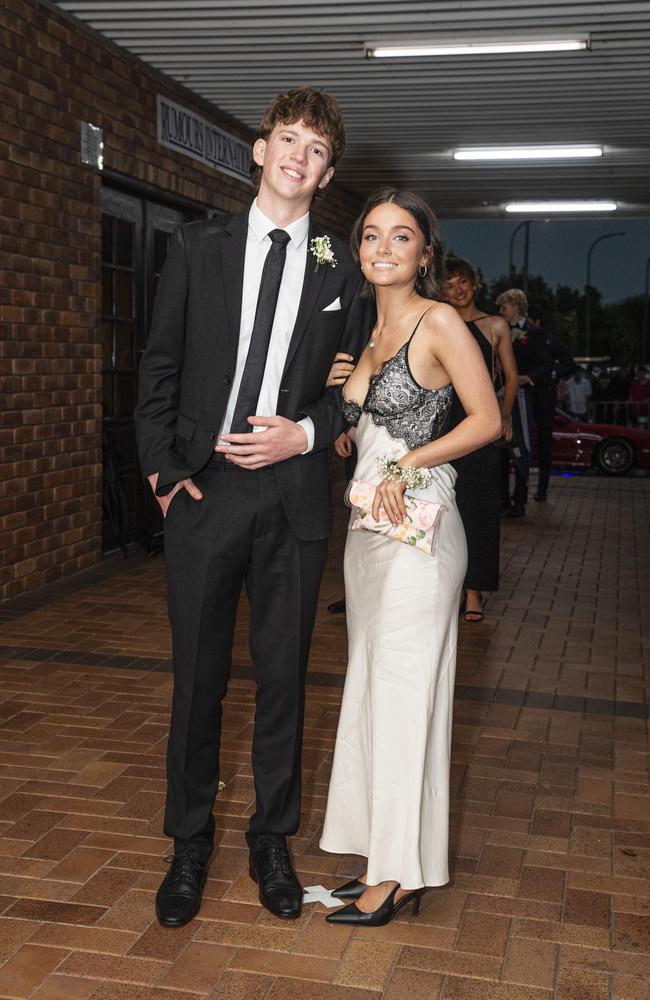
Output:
x=53 y=75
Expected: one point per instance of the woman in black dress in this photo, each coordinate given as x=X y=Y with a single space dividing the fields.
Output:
x=478 y=488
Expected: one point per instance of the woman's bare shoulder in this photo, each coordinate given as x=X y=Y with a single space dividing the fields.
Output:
x=441 y=318
x=499 y=325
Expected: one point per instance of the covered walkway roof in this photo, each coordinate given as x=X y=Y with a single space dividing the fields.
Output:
x=406 y=116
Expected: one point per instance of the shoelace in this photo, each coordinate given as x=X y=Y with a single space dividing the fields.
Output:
x=278 y=859
x=183 y=867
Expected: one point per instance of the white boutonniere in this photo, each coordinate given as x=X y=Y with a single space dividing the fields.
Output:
x=321 y=248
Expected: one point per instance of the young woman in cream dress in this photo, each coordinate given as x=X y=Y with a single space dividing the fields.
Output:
x=389 y=793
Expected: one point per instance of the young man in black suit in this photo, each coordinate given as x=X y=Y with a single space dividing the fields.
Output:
x=233 y=424
x=541 y=361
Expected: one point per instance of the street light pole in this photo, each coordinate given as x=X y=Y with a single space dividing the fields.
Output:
x=511 y=266
x=644 y=325
x=599 y=239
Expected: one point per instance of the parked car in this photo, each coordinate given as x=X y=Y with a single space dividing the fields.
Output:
x=610 y=448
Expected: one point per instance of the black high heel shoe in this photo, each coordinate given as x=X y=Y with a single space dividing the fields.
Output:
x=382 y=915
x=350 y=890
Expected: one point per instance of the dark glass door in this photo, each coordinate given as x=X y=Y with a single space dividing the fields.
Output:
x=135 y=239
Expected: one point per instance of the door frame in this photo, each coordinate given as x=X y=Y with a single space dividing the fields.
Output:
x=137 y=512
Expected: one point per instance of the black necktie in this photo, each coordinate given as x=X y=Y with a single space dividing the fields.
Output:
x=251 y=382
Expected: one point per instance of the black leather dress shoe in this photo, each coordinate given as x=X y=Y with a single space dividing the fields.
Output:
x=179 y=898
x=279 y=889
x=516 y=511
x=540 y=497
x=350 y=890
x=337 y=607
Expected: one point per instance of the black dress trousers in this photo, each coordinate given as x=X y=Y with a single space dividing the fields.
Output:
x=237 y=534
x=544 y=400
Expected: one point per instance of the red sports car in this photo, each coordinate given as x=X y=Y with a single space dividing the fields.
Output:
x=608 y=447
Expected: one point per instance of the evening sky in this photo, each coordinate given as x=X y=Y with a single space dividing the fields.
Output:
x=558 y=251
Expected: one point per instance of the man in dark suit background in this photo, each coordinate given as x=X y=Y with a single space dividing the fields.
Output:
x=233 y=423
x=541 y=361
x=556 y=364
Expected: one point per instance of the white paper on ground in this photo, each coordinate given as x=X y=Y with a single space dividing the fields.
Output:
x=319 y=894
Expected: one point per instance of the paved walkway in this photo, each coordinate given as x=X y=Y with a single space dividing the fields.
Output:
x=549 y=898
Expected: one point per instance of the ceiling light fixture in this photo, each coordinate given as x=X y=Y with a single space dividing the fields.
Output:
x=486 y=47
x=549 y=207
x=528 y=153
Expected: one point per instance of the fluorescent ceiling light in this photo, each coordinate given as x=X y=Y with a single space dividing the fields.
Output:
x=459 y=48
x=561 y=206
x=528 y=153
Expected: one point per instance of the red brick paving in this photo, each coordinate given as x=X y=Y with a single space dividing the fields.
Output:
x=549 y=899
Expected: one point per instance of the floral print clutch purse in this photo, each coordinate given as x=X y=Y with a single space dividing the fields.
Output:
x=419 y=528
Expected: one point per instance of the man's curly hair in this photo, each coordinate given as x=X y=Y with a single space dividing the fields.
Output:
x=316 y=108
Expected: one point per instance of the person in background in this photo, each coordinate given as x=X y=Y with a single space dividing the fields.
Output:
x=619 y=385
x=578 y=393
x=627 y=377
x=478 y=492
x=513 y=306
x=640 y=395
x=601 y=395
x=563 y=395
x=541 y=361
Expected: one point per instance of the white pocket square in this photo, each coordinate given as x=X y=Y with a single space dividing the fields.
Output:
x=333 y=306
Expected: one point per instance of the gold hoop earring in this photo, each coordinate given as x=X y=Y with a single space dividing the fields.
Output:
x=422 y=273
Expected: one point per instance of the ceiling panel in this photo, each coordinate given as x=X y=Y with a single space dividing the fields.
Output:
x=406 y=116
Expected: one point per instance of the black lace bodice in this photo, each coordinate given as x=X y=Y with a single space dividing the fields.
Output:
x=396 y=401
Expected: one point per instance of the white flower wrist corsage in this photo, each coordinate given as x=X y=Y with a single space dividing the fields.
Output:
x=413 y=479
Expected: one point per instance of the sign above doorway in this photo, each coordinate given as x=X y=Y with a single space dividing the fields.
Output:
x=189 y=133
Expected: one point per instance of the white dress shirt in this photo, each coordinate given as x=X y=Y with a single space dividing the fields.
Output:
x=518 y=329
x=258 y=243
x=579 y=393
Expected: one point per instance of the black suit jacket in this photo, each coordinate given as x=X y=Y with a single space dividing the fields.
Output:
x=542 y=356
x=187 y=369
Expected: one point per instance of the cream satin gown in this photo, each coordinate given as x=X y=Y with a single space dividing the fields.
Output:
x=389 y=793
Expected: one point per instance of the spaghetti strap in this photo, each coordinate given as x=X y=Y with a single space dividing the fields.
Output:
x=418 y=323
